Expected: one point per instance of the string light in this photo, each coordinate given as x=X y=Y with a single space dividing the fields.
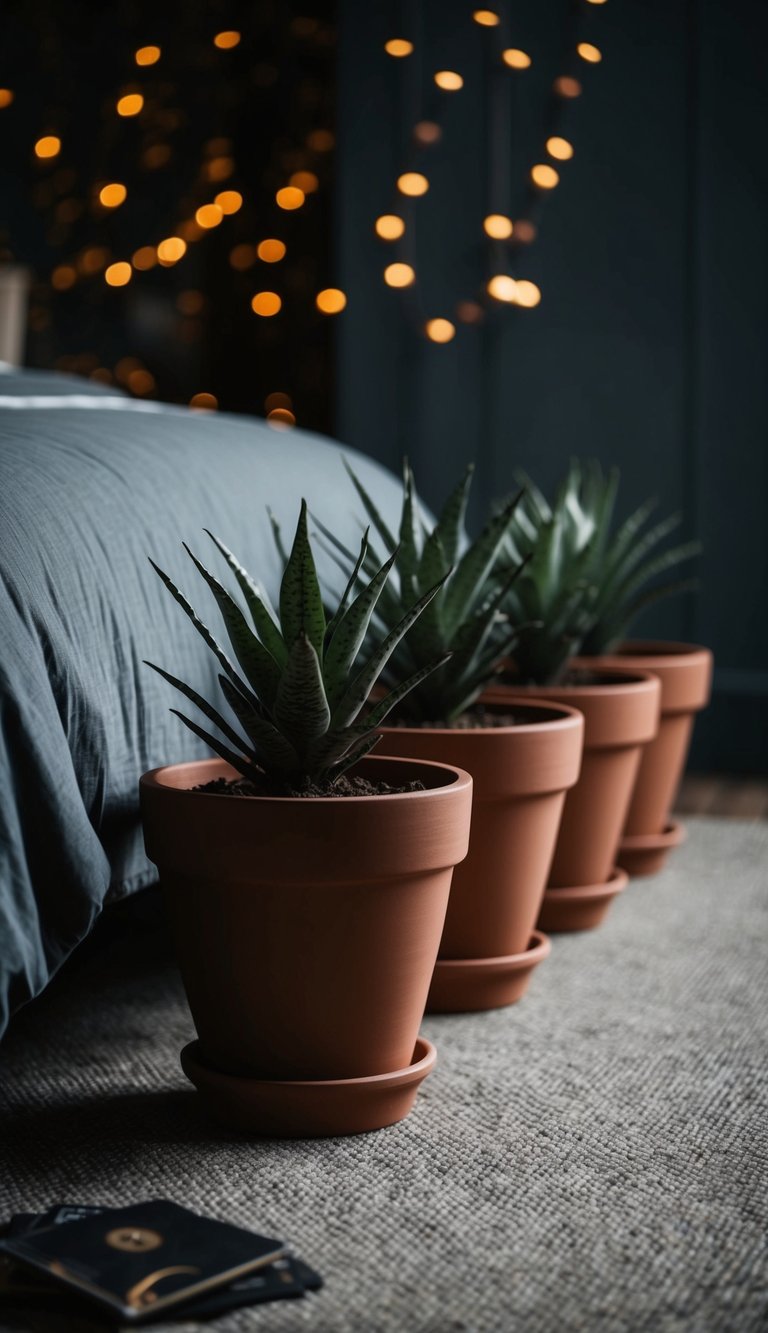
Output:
x=559 y=148
x=399 y=275
x=147 y=55
x=515 y=58
x=156 y=156
x=93 y=259
x=208 y=216
x=48 y=146
x=242 y=257
x=6 y=97
x=412 y=183
x=124 y=367
x=331 y=301
x=266 y=304
x=144 y=258
x=205 y=402
x=498 y=226
x=289 y=198
x=320 y=141
x=229 y=201
x=544 y=176
x=427 y=132
x=226 y=41
x=171 y=250
x=280 y=418
x=141 y=382
x=502 y=288
x=190 y=302
x=469 y=312
x=112 y=196
x=486 y=18
x=398 y=47
x=306 y=181
x=565 y=86
x=274 y=400
x=130 y=104
x=440 y=330
x=63 y=277
x=389 y=227
x=191 y=230
x=117 y=275
x=449 y=80
x=525 y=231
x=592 y=54
x=219 y=168
x=527 y=294
x=271 y=251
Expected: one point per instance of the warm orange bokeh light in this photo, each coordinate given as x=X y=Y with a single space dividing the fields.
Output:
x=469 y=312
x=565 y=86
x=219 y=168
x=487 y=18
x=449 y=80
x=398 y=47
x=130 y=104
x=502 y=287
x=242 y=257
x=592 y=54
x=205 y=401
x=305 y=180
x=48 y=146
x=141 y=382
x=147 y=55
x=274 y=400
x=412 y=183
x=389 y=227
x=6 y=96
x=559 y=148
x=281 y=418
x=515 y=58
x=229 y=201
x=171 y=250
x=399 y=275
x=330 y=301
x=320 y=141
x=440 y=330
x=427 y=132
x=93 y=259
x=271 y=251
x=63 y=277
x=144 y=258
x=156 y=156
x=289 y=197
x=190 y=302
x=266 y=303
x=117 y=275
x=528 y=294
x=544 y=176
x=525 y=231
x=499 y=226
x=227 y=40
x=112 y=196
x=208 y=216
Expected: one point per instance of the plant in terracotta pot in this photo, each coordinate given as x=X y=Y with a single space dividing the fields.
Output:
x=307 y=881
x=627 y=566
x=554 y=600
x=523 y=756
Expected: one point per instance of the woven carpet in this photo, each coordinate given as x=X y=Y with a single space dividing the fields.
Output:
x=593 y=1158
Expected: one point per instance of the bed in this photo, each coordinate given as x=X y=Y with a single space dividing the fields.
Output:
x=93 y=482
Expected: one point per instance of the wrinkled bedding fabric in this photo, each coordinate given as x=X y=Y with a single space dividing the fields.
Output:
x=91 y=484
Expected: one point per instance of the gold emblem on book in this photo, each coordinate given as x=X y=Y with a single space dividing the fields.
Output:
x=136 y=1240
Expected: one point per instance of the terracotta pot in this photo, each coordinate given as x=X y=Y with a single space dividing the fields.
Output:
x=685 y=672
x=521 y=774
x=307 y=929
x=621 y=713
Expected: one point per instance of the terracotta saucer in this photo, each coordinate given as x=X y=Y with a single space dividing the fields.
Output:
x=583 y=907
x=303 y=1109
x=645 y=853
x=465 y=985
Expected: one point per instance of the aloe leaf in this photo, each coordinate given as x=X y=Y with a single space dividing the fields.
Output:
x=237 y=761
x=277 y=537
x=450 y=525
x=354 y=756
x=301 y=604
x=352 y=581
x=259 y=665
x=301 y=708
x=278 y=753
x=350 y=634
x=197 y=699
x=467 y=581
x=202 y=629
x=370 y=508
x=384 y=707
x=355 y=696
x=257 y=603
x=408 y=544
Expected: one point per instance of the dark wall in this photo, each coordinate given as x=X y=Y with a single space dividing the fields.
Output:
x=648 y=347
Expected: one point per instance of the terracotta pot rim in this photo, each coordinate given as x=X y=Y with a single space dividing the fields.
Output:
x=672 y=835
x=424 y=1059
x=664 y=652
x=629 y=682
x=569 y=719
x=539 y=948
x=460 y=779
x=615 y=883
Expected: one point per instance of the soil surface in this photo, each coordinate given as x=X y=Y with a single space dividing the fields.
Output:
x=475 y=718
x=343 y=786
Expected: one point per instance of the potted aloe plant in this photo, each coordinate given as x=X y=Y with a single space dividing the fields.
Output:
x=553 y=601
x=523 y=756
x=626 y=566
x=307 y=881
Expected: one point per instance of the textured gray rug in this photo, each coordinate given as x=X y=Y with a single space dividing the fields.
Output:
x=591 y=1159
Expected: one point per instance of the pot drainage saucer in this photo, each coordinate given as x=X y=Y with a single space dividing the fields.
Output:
x=645 y=853
x=276 y=1108
x=466 y=985
x=580 y=908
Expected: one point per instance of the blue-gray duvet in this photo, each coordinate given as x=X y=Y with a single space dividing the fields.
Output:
x=91 y=484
